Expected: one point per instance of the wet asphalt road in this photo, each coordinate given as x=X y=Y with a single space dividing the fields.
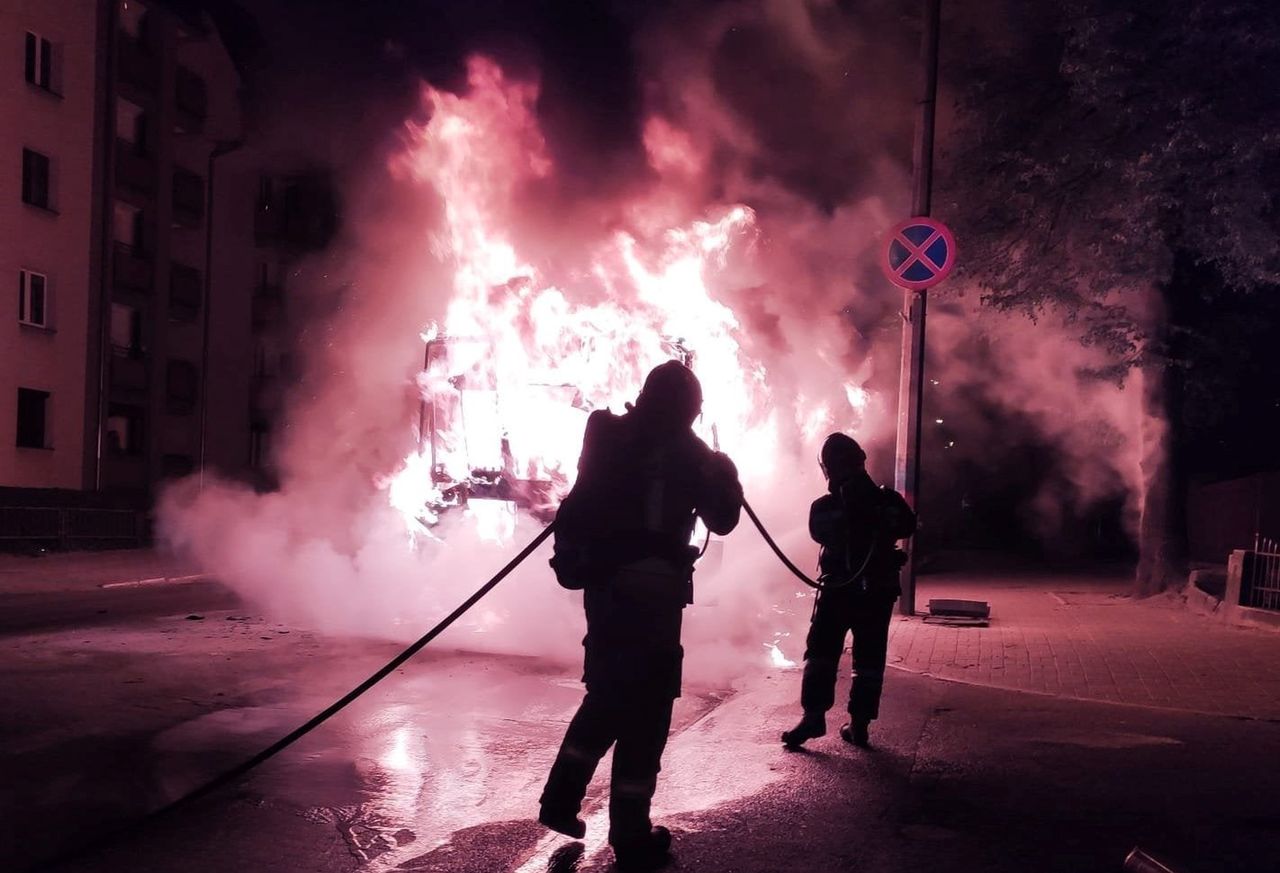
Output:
x=439 y=769
x=98 y=607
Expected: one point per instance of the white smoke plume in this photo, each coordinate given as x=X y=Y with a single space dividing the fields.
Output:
x=1001 y=382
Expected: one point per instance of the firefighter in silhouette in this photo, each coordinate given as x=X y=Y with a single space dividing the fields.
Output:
x=857 y=524
x=622 y=537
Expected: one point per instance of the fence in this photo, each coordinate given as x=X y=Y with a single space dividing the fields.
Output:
x=1260 y=580
x=62 y=528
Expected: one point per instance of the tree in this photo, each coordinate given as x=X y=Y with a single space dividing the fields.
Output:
x=1120 y=161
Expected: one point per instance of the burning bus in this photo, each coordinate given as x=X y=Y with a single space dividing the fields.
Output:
x=470 y=428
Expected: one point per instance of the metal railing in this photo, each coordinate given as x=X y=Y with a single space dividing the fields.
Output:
x=1260 y=587
x=66 y=527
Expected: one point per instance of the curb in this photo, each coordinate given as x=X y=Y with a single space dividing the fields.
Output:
x=1245 y=716
x=157 y=580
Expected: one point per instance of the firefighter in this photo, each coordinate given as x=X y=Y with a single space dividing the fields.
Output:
x=857 y=524
x=623 y=537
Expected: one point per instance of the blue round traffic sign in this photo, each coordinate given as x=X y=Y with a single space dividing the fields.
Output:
x=920 y=253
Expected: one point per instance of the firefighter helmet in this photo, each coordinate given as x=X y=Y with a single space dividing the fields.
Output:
x=840 y=456
x=671 y=390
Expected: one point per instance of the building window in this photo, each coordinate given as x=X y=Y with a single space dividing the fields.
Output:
x=35 y=179
x=185 y=292
x=181 y=386
x=133 y=18
x=191 y=99
x=266 y=193
x=259 y=445
x=33 y=298
x=39 y=66
x=124 y=429
x=127 y=227
x=174 y=466
x=267 y=359
x=131 y=125
x=126 y=330
x=33 y=412
x=270 y=282
x=188 y=198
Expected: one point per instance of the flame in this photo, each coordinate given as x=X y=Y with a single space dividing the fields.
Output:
x=495 y=519
x=777 y=659
x=519 y=362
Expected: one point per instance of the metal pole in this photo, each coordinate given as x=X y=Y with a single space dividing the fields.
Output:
x=107 y=229
x=911 y=382
x=221 y=148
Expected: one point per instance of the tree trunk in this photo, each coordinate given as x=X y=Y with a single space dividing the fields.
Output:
x=1162 y=530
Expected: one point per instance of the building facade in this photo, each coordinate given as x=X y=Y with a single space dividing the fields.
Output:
x=132 y=352
x=51 y=103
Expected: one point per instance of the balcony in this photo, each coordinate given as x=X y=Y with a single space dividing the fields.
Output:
x=190 y=101
x=135 y=171
x=136 y=66
x=128 y=374
x=131 y=270
x=185 y=293
x=188 y=198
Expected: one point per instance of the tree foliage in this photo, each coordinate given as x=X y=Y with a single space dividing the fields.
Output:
x=1106 y=138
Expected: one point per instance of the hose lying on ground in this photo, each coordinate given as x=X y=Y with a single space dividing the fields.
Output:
x=298 y=733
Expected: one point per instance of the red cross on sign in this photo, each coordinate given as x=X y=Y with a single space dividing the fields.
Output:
x=920 y=253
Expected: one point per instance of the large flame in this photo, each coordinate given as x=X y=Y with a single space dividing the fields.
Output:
x=522 y=362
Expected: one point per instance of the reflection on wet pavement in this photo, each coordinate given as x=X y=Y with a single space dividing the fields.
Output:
x=449 y=751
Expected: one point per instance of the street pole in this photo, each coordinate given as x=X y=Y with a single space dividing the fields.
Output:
x=911 y=381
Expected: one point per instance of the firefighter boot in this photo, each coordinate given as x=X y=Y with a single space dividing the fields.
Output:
x=856 y=732
x=562 y=821
x=562 y=797
x=648 y=852
x=814 y=724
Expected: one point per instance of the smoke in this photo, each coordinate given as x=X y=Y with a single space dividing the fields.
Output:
x=1025 y=404
x=762 y=143
x=349 y=570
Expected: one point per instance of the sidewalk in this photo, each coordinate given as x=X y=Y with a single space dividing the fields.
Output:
x=78 y=571
x=1086 y=638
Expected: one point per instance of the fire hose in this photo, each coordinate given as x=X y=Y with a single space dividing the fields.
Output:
x=777 y=550
x=796 y=571
x=228 y=776
x=234 y=773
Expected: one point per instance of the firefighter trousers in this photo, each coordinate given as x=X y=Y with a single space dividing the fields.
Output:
x=638 y=725
x=837 y=613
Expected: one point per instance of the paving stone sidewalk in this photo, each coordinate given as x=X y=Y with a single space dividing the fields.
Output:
x=1086 y=638
x=71 y=571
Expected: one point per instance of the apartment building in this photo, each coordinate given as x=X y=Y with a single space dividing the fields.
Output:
x=147 y=296
x=50 y=256
x=174 y=102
